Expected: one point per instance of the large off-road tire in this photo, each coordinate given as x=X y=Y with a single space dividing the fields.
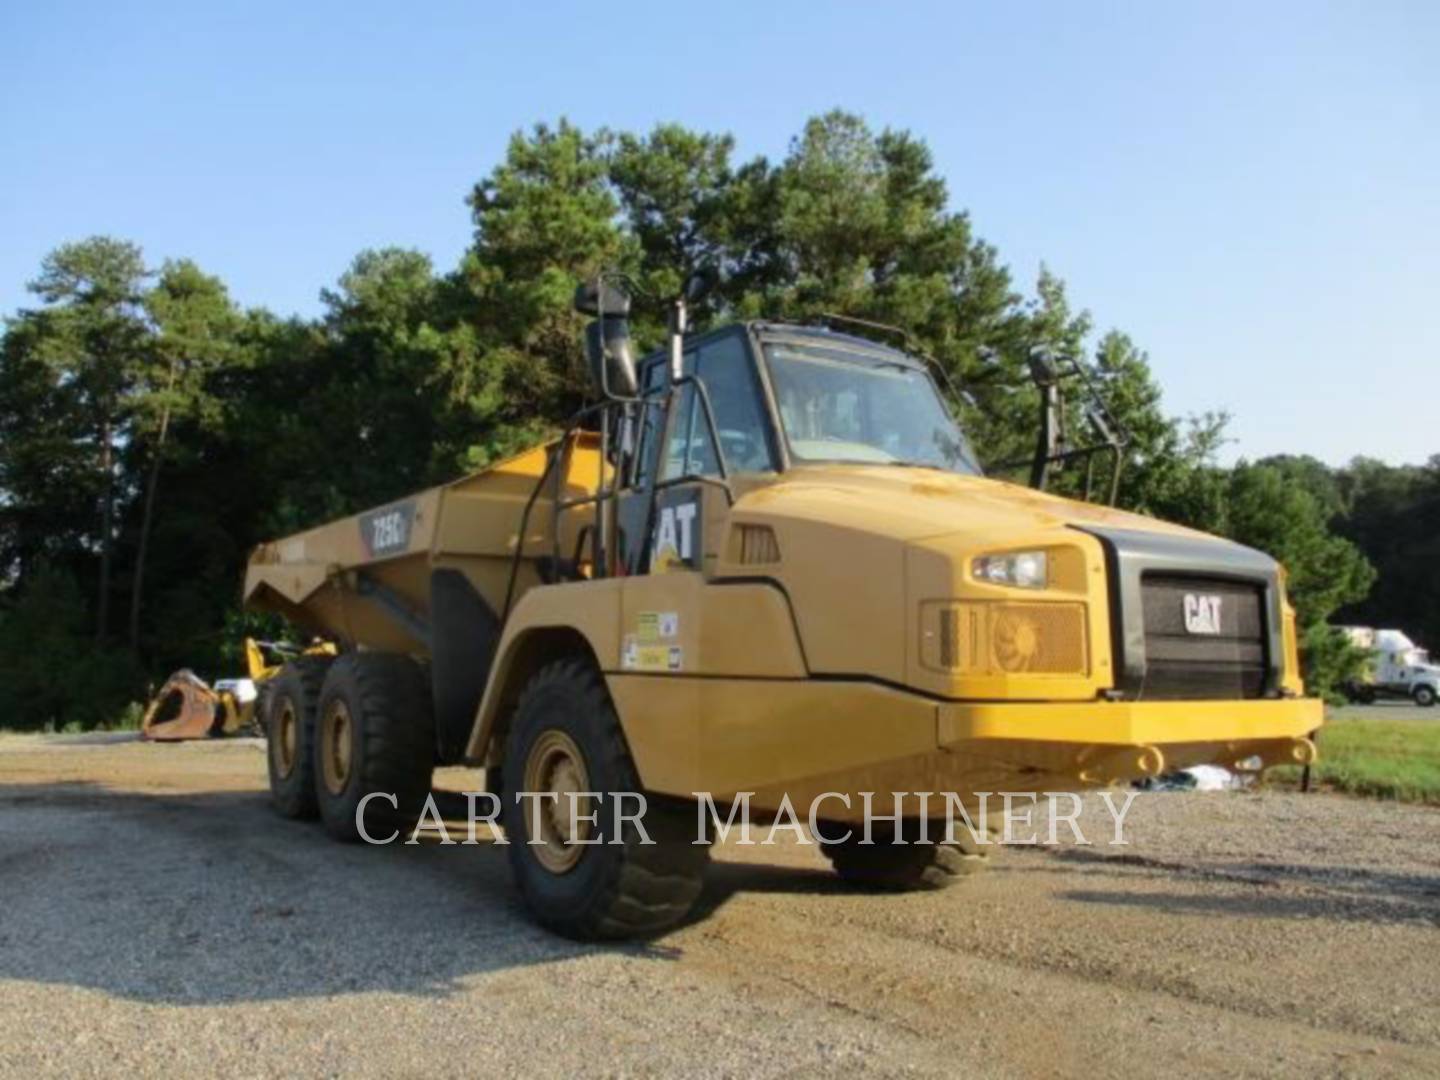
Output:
x=565 y=736
x=906 y=867
x=290 y=734
x=260 y=718
x=1423 y=695
x=374 y=732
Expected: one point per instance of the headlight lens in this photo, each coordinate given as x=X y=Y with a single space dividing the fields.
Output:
x=1022 y=569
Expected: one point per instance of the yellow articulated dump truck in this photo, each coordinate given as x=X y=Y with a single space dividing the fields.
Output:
x=765 y=561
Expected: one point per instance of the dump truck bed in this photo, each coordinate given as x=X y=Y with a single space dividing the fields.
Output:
x=366 y=579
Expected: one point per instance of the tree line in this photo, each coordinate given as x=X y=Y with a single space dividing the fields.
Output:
x=152 y=431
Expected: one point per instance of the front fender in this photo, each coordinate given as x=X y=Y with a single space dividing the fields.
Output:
x=547 y=621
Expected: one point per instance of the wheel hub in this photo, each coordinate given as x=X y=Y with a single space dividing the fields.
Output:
x=336 y=736
x=555 y=767
x=286 y=739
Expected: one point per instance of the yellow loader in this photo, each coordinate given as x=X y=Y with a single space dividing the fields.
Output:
x=765 y=561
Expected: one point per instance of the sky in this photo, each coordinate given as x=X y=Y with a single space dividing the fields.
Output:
x=1251 y=191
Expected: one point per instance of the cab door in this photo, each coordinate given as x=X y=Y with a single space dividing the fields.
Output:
x=677 y=500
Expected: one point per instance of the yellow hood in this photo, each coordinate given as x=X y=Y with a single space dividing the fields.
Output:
x=911 y=504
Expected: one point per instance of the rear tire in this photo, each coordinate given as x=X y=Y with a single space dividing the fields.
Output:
x=290 y=735
x=260 y=718
x=565 y=736
x=1424 y=696
x=906 y=867
x=374 y=733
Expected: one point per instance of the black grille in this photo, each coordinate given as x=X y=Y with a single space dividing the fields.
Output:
x=1184 y=662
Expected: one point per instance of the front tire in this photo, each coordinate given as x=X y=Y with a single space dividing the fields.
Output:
x=593 y=881
x=374 y=733
x=907 y=867
x=1424 y=696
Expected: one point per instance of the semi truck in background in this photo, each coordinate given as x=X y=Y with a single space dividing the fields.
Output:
x=764 y=561
x=1398 y=668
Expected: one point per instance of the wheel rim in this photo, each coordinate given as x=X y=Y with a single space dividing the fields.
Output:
x=556 y=765
x=286 y=739
x=336 y=736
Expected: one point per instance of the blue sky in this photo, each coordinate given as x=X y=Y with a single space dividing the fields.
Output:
x=1252 y=191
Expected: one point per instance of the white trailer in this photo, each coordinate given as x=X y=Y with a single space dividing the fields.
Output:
x=1398 y=668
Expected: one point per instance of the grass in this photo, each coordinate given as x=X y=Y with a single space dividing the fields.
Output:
x=1380 y=758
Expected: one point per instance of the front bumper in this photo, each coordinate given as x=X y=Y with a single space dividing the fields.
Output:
x=1099 y=743
x=1131 y=723
x=796 y=736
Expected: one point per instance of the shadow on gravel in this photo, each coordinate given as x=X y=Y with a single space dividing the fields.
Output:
x=210 y=898
x=1274 y=890
x=725 y=879
x=92 y=738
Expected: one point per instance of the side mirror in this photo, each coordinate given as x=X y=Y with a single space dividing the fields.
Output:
x=599 y=297
x=700 y=284
x=1043 y=368
x=612 y=359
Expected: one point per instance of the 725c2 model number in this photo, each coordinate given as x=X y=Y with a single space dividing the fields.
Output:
x=387 y=531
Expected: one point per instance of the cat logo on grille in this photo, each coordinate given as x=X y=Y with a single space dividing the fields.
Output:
x=1202 y=614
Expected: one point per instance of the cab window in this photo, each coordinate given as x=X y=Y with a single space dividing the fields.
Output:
x=724 y=366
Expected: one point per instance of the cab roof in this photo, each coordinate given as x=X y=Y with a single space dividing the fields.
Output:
x=824 y=336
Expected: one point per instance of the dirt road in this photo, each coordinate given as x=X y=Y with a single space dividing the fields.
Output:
x=157 y=919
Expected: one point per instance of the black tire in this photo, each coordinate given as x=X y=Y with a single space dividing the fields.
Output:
x=905 y=867
x=260 y=718
x=387 y=738
x=612 y=890
x=1424 y=696
x=290 y=735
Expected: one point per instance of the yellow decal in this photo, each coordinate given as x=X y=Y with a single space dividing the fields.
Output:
x=657 y=625
x=649 y=656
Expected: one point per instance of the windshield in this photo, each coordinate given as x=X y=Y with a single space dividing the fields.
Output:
x=838 y=404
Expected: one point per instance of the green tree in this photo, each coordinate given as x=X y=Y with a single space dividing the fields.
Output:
x=47 y=505
x=545 y=219
x=195 y=328
x=1266 y=510
x=1168 y=469
x=52 y=673
x=91 y=335
x=1393 y=514
x=673 y=188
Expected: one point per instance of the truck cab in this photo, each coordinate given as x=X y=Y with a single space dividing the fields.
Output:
x=1398 y=668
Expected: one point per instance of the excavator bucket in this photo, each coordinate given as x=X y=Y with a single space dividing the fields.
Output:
x=185 y=708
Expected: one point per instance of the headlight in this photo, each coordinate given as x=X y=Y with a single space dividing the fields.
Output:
x=1023 y=569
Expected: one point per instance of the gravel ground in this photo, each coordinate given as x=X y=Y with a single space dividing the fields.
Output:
x=156 y=919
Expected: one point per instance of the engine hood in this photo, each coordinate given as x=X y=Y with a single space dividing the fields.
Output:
x=865 y=552
x=910 y=504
